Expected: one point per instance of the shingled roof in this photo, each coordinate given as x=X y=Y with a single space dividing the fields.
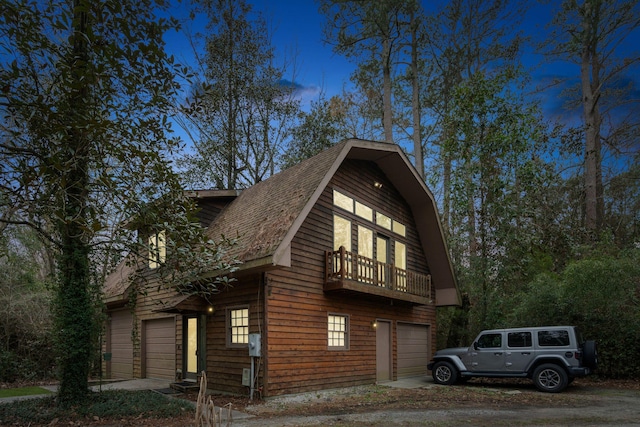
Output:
x=266 y=216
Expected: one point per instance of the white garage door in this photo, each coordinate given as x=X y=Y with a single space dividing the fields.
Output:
x=160 y=348
x=121 y=345
x=413 y=350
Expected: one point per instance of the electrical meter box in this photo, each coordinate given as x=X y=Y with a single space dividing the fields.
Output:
x=255 y=344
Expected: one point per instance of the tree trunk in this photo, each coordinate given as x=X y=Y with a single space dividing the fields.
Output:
x=415 y=98
x=590 y=69
x=387 y=116
x=74 y=308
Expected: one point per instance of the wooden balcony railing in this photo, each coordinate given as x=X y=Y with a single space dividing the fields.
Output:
x=350 y=271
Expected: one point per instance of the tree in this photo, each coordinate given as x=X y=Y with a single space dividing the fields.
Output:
x=322 y=127
x=87 y=89
x=241 y=106
x=370 y=33
x=590 y=33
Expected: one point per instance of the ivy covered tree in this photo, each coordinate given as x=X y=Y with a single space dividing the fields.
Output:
x=84 y=148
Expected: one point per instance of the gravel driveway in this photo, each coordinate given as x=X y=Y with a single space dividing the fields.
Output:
x=475 y=404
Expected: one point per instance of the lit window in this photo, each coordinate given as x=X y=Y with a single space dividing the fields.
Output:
x=399 y=228
x=338 y=331
x=342 y=201
x=383 y=221
x=364 y=211
x=238 y=327
x=400 y=255
x=341 y=233
x=157 y=249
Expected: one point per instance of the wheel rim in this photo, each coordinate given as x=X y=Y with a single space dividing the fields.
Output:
x=443 y=374
x=549 y=379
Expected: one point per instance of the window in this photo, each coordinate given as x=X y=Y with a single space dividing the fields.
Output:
x=238 y=327
x=337 y=331
x=399 y=228
x=364 y=211
x=341 y=233
x=400 y=255
x=383 y=221
x=157 y=249
x=553 y=338
x=490 y=341
x=342 y=201
x=519 y=339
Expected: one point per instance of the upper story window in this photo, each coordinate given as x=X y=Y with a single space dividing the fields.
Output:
x=367 y=213
x=157 y=249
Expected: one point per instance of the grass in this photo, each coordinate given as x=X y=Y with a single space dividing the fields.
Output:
x=112 y=404
x=23 y=391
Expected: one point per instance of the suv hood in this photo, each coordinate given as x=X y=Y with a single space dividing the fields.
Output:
x=452 y=351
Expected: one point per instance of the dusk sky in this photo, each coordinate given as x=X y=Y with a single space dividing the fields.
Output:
x=296 y=27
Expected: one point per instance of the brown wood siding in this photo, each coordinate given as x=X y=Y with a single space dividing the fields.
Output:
x=225 y=364
x=299 y=359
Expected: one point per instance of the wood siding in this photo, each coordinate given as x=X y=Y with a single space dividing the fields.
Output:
x=298 y=357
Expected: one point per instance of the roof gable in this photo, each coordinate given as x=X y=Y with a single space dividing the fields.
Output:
x=266 y=216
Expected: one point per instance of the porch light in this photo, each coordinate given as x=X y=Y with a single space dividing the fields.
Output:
x=374 y=324
x=210 y=310
x=377 y=185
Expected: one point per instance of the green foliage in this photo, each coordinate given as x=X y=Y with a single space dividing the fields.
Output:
x=85 y=149
x=601 y=295
x=26 y=348
x=112 y=405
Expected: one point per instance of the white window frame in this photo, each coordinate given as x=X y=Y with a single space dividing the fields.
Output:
x=238 y=332
x=337 y=331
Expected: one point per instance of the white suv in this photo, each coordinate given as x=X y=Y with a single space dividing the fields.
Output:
x=552 y=356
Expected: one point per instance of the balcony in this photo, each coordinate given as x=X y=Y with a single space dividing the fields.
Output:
x=349 y=271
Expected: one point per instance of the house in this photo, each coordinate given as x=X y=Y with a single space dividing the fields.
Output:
x=343 y=265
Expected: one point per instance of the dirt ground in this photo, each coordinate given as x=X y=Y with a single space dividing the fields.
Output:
x=479 y=403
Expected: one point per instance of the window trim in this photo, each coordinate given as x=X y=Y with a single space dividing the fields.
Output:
x=347 y=325
x=229 y=329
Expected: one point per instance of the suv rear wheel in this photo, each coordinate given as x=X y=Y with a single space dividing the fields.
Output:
x=444 y=373
x=550 y=378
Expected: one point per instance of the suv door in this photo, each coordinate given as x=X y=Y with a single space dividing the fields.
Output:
x=519 y=351
x=488 y=353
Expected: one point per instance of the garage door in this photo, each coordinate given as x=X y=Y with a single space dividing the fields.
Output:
x=413 y=350
x=160 y=348
x=120 y=344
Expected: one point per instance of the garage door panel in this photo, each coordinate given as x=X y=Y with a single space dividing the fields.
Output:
x=121 y=345
x=413 y=349
x=160 y=348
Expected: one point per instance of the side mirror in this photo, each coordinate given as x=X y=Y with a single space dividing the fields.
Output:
x=475 y=345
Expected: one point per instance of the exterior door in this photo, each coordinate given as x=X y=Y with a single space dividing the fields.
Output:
x=489 y=355
x=519 y=352
x=194 y=346
x=383 y=351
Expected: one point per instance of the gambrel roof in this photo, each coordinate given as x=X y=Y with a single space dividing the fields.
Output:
x=266 y=216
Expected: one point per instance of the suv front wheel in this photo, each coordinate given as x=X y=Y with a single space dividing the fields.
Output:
x=550 y=378
x=444 y=373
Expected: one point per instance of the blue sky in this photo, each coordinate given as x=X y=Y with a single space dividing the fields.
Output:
x=297 y=31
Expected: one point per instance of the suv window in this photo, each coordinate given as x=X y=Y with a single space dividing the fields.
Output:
x=490 y=341
x=519 y=339
x=553 y=338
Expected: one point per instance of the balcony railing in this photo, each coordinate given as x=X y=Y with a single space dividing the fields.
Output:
x=349 y=271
